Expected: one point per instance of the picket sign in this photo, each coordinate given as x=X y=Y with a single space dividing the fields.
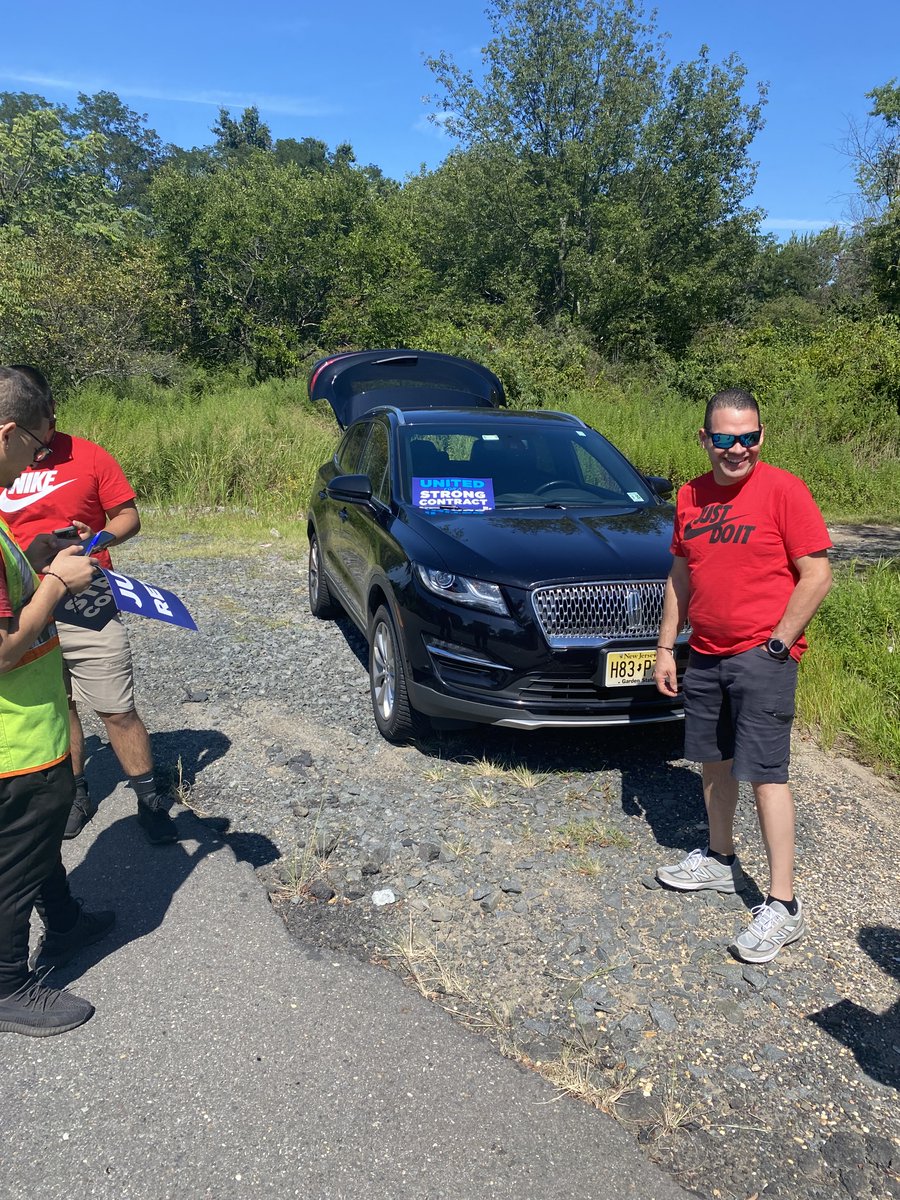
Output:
x=111 y=592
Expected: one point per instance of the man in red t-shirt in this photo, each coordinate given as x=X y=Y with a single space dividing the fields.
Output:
x=750 y=567
x=80 y=481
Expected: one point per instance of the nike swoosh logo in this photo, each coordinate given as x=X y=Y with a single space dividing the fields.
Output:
x=11 y=504
x=692 y=531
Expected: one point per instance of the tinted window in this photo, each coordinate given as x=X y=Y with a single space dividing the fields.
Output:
x=528 y=464
x=374 y=463
x=348 y=453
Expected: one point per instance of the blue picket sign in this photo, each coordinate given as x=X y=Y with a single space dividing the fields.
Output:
x=111 y=592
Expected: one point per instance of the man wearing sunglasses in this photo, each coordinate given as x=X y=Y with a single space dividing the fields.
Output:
x=36 y=783
x=749 y=569
x=73 y=479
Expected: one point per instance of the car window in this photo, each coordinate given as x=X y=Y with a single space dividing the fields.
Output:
x=526 y=463
x=350 y=449
x=374 y=463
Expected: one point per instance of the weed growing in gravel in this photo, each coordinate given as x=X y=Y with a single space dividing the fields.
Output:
x=478 y=799
x=297 y=870
x=585 y=864
x=580 y=835
x=674 y=1112
x=436 y=773
x=486 y=768
x=434 y=977
x=525 y=777
x=578 y=1072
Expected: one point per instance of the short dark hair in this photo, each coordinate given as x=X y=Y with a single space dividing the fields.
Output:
x=21 y=400
x=730 y=398
x=38 y=378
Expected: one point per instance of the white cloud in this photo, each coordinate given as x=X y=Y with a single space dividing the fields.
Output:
x=800 y=224
x=291 y=106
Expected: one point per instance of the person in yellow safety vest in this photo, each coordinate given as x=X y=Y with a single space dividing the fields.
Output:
x=36 y=780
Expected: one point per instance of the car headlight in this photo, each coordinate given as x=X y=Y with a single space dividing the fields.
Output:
x=473 y=592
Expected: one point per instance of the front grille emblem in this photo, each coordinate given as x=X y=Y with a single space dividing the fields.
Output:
x=634 y=610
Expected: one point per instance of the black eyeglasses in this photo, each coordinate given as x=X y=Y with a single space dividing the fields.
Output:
x=724 y=441
x=42 y=453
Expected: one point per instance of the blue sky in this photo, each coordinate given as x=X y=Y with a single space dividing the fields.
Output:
x=354 y=71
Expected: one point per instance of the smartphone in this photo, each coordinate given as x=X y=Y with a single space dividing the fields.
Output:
x=67 y=534
x=98 y=541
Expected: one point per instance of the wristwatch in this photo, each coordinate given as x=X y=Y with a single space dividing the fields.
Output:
x=776 y=648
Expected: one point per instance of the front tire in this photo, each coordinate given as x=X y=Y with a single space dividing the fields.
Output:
x=321 y=604
x=395 y=717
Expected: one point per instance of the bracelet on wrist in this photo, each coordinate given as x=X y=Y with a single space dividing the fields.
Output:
x=671 y=649
x=62 y=581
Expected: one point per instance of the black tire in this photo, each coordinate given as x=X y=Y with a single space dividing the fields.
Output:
x=321 y=604
x=395 y=717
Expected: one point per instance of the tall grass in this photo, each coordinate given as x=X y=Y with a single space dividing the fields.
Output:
x=256 y=449
x=851 y=466
x=850 y=679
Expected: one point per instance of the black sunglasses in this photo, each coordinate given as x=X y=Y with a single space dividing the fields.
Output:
x=41 y=454
x=724 y=441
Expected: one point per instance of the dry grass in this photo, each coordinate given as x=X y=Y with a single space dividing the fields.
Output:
x=582 y=835
x=577 y=1072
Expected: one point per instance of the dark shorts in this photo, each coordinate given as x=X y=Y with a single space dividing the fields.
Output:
x=741 y=706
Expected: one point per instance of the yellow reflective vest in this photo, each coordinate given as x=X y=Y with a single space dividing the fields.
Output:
x=34 y=710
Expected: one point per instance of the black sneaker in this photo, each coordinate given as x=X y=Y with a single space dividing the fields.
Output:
x=39 y=1011
x=156 y=823
x=55 y=949
x=83 y=810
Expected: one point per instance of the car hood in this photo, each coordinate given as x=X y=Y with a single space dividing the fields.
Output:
x=522 y=547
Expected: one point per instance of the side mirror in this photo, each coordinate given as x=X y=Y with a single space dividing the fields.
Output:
x=662 y=487
x=351 y=489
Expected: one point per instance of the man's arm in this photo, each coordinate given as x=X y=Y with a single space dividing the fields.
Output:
x=674 y=615
x=812 y=587
x=123 y=521
x=72 y=573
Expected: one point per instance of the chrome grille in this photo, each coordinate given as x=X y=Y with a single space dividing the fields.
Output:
x=592 y=614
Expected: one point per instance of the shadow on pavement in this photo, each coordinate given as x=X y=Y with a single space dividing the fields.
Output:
x=122 y=871
x=873 y=1037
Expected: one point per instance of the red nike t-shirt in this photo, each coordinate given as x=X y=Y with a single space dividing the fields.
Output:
x=79 y=481
x=740 y=543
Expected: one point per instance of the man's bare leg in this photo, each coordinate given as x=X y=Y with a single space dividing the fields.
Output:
x=775 y=809
x=129 y=739
x=720 y=793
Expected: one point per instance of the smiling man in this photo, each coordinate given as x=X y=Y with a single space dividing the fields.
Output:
x=750 y=567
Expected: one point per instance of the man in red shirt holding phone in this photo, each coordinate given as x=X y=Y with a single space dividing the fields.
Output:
x=80 y=481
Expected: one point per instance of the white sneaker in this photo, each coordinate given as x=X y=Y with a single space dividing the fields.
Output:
x=698 y=872
x=771 y=928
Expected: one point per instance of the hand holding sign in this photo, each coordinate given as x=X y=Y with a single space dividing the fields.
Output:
x=112 y=592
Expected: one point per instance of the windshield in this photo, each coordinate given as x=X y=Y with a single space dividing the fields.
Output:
x=526 y=465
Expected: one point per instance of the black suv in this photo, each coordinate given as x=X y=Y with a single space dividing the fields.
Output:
x=505 y=566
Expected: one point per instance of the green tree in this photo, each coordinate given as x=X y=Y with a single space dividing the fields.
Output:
x=620 y=183
x=131 y=151
x=46 y=172
x=258 y=254
x=875 y=150
x=243 y=136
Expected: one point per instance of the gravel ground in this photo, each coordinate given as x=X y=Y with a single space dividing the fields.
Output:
x=510 y=877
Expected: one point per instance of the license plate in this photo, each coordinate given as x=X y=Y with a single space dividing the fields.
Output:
x=627 y=668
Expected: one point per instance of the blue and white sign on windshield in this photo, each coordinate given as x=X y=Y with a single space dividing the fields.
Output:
x=453 y=491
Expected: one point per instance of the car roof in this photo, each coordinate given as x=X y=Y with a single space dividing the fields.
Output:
x=355 y=383
x=466 y=416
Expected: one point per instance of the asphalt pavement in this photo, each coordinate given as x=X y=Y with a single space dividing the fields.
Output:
x=227 y=1060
